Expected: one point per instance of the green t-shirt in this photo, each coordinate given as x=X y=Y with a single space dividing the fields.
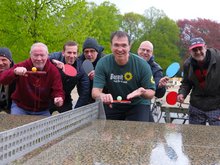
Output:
x=122 y=80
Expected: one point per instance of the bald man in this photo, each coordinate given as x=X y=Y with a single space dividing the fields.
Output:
x=145 y=51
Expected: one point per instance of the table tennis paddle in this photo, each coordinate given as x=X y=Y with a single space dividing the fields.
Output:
x=36 y=72
x=172 y=69
x=121 y=101
x=171 y=98
x=69 y=70
x=87 y=66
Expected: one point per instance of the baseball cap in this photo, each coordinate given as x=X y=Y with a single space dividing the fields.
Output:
x=196 y=42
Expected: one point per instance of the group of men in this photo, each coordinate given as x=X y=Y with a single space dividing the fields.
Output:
x=120 y=74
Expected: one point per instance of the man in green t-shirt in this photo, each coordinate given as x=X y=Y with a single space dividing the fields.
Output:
x=126 y=75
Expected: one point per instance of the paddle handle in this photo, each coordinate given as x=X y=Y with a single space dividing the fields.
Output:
x=122 y=101
x=37 y=72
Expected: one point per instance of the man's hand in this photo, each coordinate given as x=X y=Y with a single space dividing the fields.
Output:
x=20 y=71
x=180 y=98
x=106 y=98
x=141 y=92
x=91 y=74
x=58 y=101
x=163 y=82
x=138 y=92
x=58 y=64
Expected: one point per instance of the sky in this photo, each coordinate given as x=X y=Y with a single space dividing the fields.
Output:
x=174 y=9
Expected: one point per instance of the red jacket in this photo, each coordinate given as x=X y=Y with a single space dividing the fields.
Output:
x=34 y=92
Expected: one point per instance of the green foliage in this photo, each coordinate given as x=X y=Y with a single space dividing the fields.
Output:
x=133 y=24
x=160 y=30
x=54 y=22
x=106 y=19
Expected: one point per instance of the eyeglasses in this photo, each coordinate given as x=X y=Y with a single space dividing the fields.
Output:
x=147 y=50
x=89 y=51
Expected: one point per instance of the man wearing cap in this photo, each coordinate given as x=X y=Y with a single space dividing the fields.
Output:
x=6 y=62
x=202 y=78
x=92 y=51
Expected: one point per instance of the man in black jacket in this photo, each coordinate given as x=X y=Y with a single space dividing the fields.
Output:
x=6 y=62
x=202 y=78
x=69 y=56
x=92 y=51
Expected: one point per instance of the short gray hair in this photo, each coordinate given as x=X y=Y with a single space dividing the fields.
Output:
x=39 y=44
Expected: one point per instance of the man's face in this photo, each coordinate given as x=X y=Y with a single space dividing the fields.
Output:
x=145 y=51
x=70 y=54
x=39 y=57
x=90 y=54
x=4 y=63
x=198 y=53
x=120 y=48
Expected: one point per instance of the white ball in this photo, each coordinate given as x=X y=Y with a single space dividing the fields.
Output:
x=119 y=98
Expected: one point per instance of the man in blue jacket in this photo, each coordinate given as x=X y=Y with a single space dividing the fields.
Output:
x=145 y=51
x=69 y=56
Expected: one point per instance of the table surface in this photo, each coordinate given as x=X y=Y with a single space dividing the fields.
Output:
x=108 y=142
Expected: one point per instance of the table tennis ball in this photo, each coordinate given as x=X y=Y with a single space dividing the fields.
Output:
x=34 y=69
x=119 y=98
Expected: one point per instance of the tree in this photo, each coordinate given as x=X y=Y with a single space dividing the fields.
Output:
x=133 y=24
x=156 y=27
x=165 y=37
x=25 y=22
x=106 y=19
x=205 y=28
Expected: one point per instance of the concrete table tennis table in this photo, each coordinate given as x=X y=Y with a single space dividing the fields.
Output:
x=108 y=142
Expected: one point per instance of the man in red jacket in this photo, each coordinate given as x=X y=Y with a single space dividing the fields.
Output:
x=34 y=92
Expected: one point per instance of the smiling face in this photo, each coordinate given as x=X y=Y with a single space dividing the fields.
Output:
x=145 y=50
x=198 y=53
x=4 y=63
x=120 y=48
x=70 y=54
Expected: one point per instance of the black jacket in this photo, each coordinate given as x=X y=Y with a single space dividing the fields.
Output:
x=82 y=58
x=157 y=74
x=207 y=98
x=11 y=88
x=81 y=81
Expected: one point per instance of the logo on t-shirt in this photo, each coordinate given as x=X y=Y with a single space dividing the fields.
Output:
x=121 y=78
x=128 y=76
x=152 y=80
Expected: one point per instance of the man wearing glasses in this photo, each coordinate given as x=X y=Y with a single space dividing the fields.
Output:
x=127 y=76
x=145 y=51
x=202 y=79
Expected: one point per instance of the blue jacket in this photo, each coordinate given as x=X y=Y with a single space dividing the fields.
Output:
x=157 y=74
x=81 y=81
